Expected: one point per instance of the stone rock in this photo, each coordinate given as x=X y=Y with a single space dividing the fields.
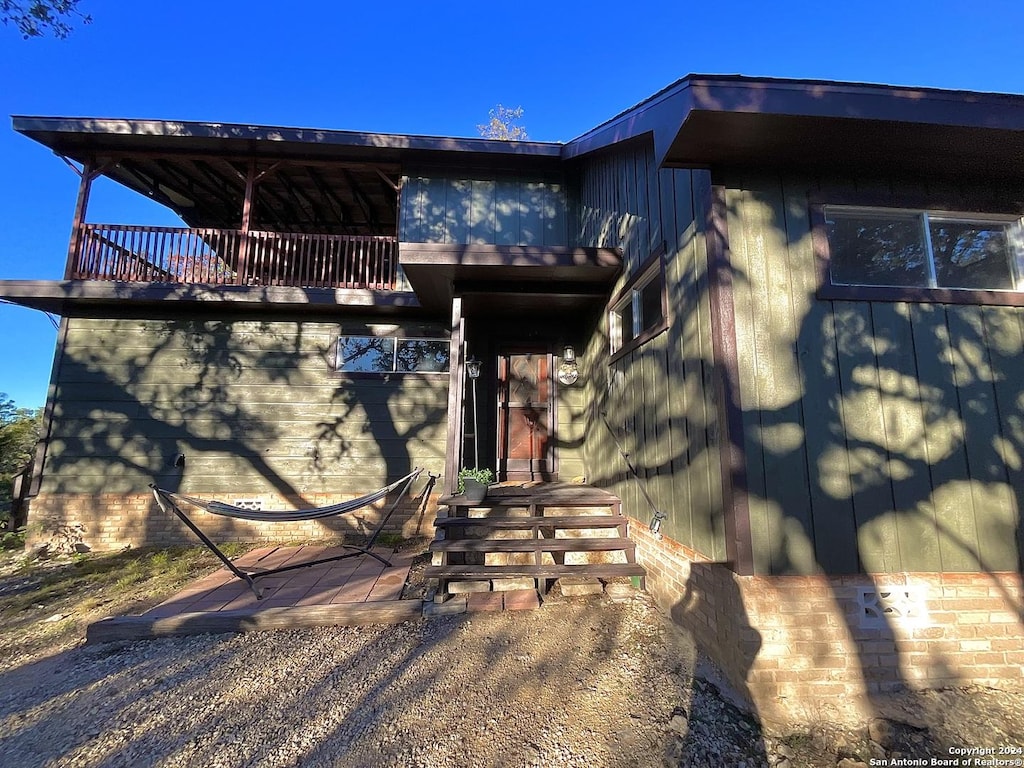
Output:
x=877 y=750
x=620 y=592
x=679 y=724
x=575 y=586
x=881 y=732
x=784 y=750
x=464 y=587
x=511 y=585
x=451 y=607
x=847 y=762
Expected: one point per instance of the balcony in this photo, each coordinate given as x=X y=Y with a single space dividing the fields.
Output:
x=231 y=257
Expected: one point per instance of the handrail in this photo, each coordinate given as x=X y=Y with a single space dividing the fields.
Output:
x=212 y=257
x=659 y=516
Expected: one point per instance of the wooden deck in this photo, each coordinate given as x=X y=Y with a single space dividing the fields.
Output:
x=358 y=590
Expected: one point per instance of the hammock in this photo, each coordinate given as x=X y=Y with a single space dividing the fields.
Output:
x=169 y=501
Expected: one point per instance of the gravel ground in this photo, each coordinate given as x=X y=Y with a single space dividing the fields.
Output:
x=577 y=684
x=580 y=682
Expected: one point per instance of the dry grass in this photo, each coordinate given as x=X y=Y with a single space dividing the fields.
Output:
x=46 y=605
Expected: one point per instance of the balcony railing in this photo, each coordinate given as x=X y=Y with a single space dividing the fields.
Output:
x=230 y=257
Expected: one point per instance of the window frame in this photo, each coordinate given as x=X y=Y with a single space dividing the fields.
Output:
x=399 y=335
x=966 y=209
x=652 y=269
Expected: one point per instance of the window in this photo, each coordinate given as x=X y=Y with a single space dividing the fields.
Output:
x=391 y=354
x=639 y=311
x=897 y=248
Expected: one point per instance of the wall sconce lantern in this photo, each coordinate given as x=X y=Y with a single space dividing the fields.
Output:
x=473 y=368
x=568 y=370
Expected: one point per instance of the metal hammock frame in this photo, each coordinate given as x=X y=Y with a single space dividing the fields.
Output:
x=168 y=501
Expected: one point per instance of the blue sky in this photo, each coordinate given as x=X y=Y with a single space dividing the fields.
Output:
x=414 y=67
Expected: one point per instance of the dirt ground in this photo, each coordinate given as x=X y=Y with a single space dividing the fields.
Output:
x=579 y=682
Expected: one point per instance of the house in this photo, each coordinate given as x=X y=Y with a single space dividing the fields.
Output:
x=779 y=320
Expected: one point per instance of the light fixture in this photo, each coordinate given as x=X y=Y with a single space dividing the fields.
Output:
x=568 y=370
x=656 y=521
x=473 y=367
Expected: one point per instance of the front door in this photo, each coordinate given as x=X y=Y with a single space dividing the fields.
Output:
x=526 y=416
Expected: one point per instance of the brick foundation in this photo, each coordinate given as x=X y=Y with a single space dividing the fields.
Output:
x=800 y=647
x=103 y=522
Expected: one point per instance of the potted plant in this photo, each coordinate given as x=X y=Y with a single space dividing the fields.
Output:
x=473 y=483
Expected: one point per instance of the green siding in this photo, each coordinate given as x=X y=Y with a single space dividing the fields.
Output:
x=495 y=211
x=254 y=406
x=879 y=436
x=658 y=398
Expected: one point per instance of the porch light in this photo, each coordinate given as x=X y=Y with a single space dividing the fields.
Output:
x=656 y=521
x=568 y=370
x=473 y=367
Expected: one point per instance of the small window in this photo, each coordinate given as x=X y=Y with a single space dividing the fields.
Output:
x=389 y=354
x=923 y=249
x=639 y=311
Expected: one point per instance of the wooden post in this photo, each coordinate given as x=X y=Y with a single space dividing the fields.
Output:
x=243 y=248
x=81 y=204
x=456 y=382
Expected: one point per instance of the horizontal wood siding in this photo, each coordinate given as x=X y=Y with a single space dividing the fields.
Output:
x=657 y=398
x=879 y=436
x=495 y=211
x=254 y=406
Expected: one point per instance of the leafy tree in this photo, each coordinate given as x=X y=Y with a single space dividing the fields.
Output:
x=503 y=125
x=19 y=431
x=37 y=18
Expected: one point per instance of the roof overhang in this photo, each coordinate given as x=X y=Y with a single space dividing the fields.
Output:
x=80 y=137
x=306 y=180
x=732 y=121
x=495 y=279
x=88 y=298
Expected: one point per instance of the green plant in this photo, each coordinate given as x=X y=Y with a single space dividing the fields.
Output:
x=481 y=475
x=12 y=539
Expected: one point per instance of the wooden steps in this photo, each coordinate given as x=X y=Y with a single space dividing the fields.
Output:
x=597 y=570
x=538 y=531
x=579 y=522
x=605 y=544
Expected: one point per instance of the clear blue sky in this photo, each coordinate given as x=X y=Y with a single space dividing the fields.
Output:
x=416 y=67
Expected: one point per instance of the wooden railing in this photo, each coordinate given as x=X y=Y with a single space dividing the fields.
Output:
x=229 y=257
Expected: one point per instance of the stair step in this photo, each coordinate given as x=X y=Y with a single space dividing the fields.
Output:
x=535 y=521
x=531 y=545
x=600 y=570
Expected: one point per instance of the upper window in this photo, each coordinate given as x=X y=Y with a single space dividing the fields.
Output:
x=390 y=354
x=900 y=248
x=639 y=311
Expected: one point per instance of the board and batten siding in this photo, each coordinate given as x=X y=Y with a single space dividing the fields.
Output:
x=494 y=211
x=658 y=398
x=879 y=436
x=254 y=407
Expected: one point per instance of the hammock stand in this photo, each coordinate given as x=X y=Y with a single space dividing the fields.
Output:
x=169 y=501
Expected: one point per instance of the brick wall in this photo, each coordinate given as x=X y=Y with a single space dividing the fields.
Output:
x=102 y=522
x=801 y=647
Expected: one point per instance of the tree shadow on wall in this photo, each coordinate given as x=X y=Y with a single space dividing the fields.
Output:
x=879 y=438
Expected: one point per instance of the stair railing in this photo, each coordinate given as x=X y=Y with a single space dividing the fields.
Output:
x=657 y=515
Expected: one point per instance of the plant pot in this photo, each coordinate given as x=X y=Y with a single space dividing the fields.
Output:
x=473 y=490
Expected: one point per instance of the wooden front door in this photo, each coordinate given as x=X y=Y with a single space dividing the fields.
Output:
x=526 y=416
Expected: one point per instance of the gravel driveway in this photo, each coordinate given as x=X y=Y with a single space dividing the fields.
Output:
x=573 y=684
